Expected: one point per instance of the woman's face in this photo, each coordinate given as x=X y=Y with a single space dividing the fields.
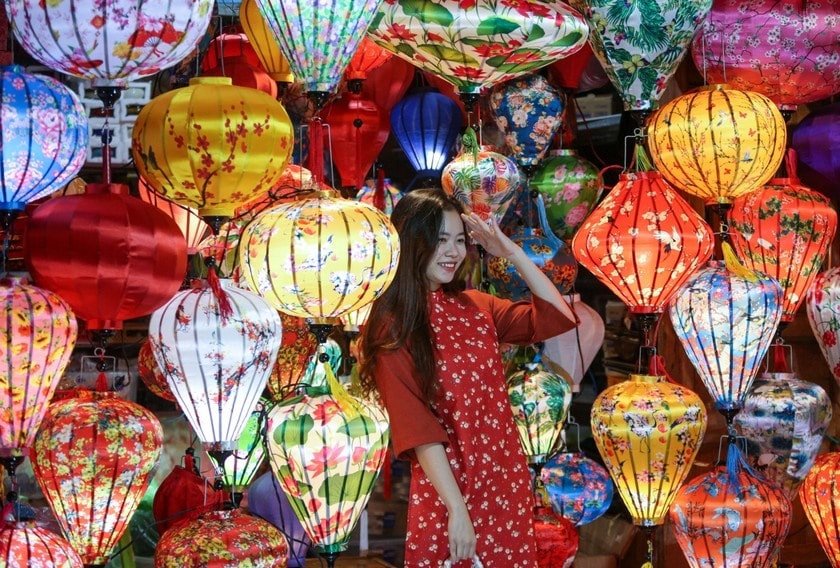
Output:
x=450 y=252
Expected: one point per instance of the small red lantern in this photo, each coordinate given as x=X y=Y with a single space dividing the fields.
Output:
x=229 y=46
x=387 y=84
x=26 y=544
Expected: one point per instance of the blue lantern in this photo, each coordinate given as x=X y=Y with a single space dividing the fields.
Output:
x=426 y=124
x=43 y=137
x=577 y=487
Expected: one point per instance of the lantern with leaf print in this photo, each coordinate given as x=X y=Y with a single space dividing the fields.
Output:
x=820 y=495
x=24 y=543
x=823 y=309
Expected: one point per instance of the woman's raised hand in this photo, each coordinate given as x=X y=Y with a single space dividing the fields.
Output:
x=489 y=235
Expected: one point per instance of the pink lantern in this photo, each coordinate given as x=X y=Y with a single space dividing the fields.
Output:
x=26 y=544
x=574 y=350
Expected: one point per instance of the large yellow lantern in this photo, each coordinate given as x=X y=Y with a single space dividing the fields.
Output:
x=211 y=145
x=320 y=257
x=717 y=143
x=263 y=42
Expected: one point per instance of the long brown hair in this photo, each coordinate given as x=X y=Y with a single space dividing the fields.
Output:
x=399 y=317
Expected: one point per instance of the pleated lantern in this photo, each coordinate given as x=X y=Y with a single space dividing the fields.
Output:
x=223 y=539
x=784 y=421
x=368 y=56
x=110 y=256
x=192 y=226
x=731 y=517
x=38 y=332
x=27 y=544
x=380 y=193
x=648 y=431
x=216 y=367
x=823 y=309
x=578 y=488
x=94 y=458
x=557 y=539
x=150 y=373
x=784 y=230
x=320 y=257
x=299 y=345
x=212 y=146
x=820 y=495
x=717 y=143
x=262 y=40
x=725 y=318
x=574 y=351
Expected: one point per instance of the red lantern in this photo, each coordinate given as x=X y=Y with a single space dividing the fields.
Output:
x=359 y=129
x=368 y=57
x=229 y=46
x=566 y=72
x=26 y=544
x=183 y=494
x=387 y=84
x=151 y=375
x=243 y=74
x=297 y=348
x=557 y=539
x=820 y=494
x=111 y=256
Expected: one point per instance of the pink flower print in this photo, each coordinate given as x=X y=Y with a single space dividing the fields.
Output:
x=829 y=338
x=571 y=191
x=560 y=173
x=576 y=215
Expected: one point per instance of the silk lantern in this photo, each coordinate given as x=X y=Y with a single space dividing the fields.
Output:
x=557 y=539
x=426 y=124
x=217 y=367
x=44 y=136
x=648 y=431
x=730 y=517
x=110 y=256
x=192 y=226
x=725 y=317
x=296 y=349
x=823 y=310
x=27 y=544
x=212 y=146
x=267 y=501
x=229 y=46
x=717 y=143
x=784 y=230
x=368 y=57
x=243 y=74
x=575 y=350
x=578 y=488
x=262 y=40
x=320 y=257
x=813 y=139
x=370 y=193
x=38 y=334
x=94 y=458
x=226 y=539
x=783 y=50
x=784 y=420
x=387 y=84
x=820 y=495
x=183 y=494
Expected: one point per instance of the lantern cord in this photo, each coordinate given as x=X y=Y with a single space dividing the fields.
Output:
x=470 y=143
x=649 y=535
x=379 y=193
x=225 y=309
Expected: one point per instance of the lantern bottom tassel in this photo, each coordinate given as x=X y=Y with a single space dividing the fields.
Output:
x=225 y=309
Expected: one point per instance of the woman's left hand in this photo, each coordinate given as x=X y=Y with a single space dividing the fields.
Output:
x=489 y=235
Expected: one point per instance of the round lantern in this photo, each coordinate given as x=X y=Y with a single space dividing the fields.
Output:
x=784 y=420
x=26 y=544
x=730 y=517
x=368 y=57
x=784 y=230
x=574 y=350
x=426 y=124
x=320 y=257
x=111 y=256
x=529 y=111
x=243 y=74
x=643 y=241
x=229 y=46
x=570 y=186
x=187 y=218
x=648 y=432
x=111 y=43
x=263 y=42
x=94 y=458
x=223 y=539
x=217 y=367
x=557 y=539
x=578 y=488
x=38 y=332
x=212 y=146
x=820 y=495
x=717 y=143
x=823 y=309
x=267 y=501
x=43 y=136
x=725 y=321
x=813 y=138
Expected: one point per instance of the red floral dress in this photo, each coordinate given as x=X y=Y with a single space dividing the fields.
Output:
x=474 y=421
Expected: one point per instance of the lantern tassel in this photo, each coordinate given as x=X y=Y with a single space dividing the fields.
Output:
x=316 y=150
x=734 y=265
x=340 y=394
x=734 y=463
x=379 y=193
x=225 y=309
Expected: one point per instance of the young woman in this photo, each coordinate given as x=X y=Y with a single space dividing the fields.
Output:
x=430 y=351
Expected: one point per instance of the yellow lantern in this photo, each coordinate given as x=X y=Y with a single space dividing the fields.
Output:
x=211 y=145
x=718 y=143
x=320 y=257
x=263 y=42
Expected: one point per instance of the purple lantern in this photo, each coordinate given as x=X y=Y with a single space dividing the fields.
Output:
x=814 y=140
x=267 y=500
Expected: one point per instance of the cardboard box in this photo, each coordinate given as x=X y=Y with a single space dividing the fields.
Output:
x=595 y=106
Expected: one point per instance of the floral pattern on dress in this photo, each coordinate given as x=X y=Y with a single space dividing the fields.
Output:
x=823 y=309
x=577 y=488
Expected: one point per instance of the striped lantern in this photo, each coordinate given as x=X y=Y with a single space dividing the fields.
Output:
x=820 y=495
x=717 y=143
x=263 y=42
x=27 y=544
x=151 y=375
x=296 y=350
x=368 y=56
x=239 y=468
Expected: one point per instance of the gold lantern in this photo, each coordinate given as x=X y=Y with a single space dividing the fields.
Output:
x=717 y=143
x=263 y=42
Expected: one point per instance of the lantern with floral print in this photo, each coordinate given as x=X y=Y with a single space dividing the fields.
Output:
x=27 y=544
x=391 y=194
x=730 y=516
x=648 y=431
x=784 y=420
x=151 y=375
x=298 y=347
x=192 y=227
x=784 y=230
x=38 y=334
x=823 y=309
x=820 y=495
x=736 y=151
x=211 y=145
x=578 y=488
x=262 y=40
x=94 y=457
x=222 y=539
x=725 y=317
x=529 y=112
x=326 y=448
x=320 y=257
x=217 y=367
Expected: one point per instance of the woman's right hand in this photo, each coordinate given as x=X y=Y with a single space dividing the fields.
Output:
x=461 y=536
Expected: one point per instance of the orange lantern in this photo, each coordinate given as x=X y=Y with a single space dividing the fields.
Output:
x=820 y=495
x=187 y=219
x=717 y=143
x=297 y=348
x=368 y=57
x=263 y=42
x=151 y=375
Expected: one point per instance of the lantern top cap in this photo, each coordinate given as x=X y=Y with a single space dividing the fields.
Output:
x=647 y=378
x=211 y=81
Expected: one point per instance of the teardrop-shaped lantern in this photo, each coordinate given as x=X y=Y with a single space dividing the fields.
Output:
x=94 y=458
x=784 y=420
x=151 y=375
x=574 y=351
x=648 y=431
x=184 y=494
x=320 y=257
x=578 y=488
x=725 y=322
x=27 y=544
x=266 y=500
x=217 y=367
x=820 y=495
x=731 y=517
x=717 y=143
x=387 y=84
x=192 y=226
x=823 y=309
x=262 y=40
